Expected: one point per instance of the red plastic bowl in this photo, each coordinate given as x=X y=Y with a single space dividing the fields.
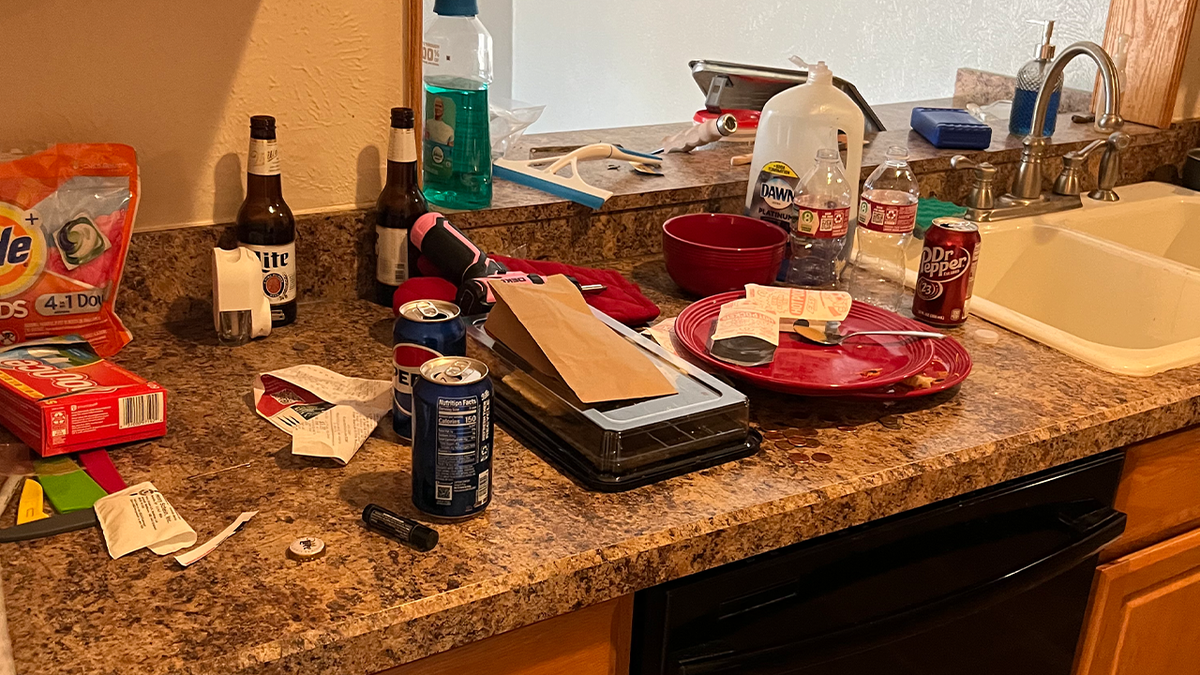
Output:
x=710 y=253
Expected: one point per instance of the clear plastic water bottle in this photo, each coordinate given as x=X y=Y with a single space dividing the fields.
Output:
x=457 y=144
x=886 y=215
x=823 y=201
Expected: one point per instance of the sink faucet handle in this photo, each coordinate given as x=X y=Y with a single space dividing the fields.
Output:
x=1068 y=181
x=1110 y=167
x=983 y=170
x=982 y=195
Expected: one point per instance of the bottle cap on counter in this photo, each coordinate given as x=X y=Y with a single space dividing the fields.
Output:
x=306 y=548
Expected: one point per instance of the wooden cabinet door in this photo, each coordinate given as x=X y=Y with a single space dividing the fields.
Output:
x=1159 y=491
x=590 y=641
x=1158 y=59
x=1145 y=613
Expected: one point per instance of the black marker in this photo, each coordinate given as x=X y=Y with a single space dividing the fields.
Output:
x=406 y=531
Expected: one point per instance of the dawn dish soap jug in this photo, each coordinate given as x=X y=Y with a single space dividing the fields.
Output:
x=457 y=148
x=795 y=124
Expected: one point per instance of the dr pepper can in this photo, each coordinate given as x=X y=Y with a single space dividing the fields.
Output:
x=947 y=272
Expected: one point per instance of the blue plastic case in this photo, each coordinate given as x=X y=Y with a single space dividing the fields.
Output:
x=951 y=128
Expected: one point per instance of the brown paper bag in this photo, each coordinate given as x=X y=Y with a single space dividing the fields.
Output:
x=550 y=326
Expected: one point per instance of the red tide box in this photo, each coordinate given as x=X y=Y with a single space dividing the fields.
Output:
x=57 y=396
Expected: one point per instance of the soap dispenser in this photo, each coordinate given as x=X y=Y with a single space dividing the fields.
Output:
x=1029 y=82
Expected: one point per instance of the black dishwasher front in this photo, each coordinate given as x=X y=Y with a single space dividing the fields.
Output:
x=992 y=582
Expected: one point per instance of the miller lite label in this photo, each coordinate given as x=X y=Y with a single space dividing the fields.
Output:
x=279 y=273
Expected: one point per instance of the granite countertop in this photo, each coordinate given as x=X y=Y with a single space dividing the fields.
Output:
x=706 y=172
x=544 y=547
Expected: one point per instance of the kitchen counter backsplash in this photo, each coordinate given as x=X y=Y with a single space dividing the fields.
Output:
x=982 y=87
x=168 y=277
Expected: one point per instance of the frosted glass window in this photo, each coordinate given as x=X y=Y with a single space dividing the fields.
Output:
x=599 y=63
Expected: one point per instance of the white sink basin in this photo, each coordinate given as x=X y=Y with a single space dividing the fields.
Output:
x=1128 y=303
x=1160 y=219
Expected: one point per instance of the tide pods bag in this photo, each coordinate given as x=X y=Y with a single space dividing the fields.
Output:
x=66 y=216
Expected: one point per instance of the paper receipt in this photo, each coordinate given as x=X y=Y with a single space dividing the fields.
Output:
x=208 y=546
x=327 y=414
x=743 y=318
x=661 y=333
x=799 y=303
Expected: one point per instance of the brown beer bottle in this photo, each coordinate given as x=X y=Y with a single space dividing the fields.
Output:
x=400 y=204
x=265 y=224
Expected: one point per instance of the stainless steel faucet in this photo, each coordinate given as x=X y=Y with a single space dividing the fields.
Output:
x=1026 y=198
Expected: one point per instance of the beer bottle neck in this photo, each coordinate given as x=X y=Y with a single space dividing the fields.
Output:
x=401 y=174
x=268 y=188
x=262 y=168
x=402 y=158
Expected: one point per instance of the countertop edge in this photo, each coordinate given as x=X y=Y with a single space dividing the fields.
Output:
x=395 y=637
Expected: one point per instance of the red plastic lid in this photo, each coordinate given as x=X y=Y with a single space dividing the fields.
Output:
x=746 y=119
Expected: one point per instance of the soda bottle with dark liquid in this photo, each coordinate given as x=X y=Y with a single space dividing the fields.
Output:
x=400 y=204
x=265 y=224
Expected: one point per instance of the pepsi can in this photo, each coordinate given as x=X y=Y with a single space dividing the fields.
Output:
x=424 y=329
x=452 y=438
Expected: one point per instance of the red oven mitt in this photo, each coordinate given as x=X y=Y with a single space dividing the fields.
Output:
x=622 y=299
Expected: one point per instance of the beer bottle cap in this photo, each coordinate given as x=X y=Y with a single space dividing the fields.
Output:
x=262 y=127
x=306 y=548
x=402 y=118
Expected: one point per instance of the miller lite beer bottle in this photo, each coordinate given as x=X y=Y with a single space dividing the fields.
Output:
x=399 y=206
x=265 y=224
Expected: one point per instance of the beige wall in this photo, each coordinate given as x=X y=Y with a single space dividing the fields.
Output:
x=179 y=80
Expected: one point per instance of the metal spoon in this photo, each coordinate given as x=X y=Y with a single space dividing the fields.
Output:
x=830 y=337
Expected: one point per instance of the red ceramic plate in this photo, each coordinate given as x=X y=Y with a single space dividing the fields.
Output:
x=950 y=366
x=812 y=370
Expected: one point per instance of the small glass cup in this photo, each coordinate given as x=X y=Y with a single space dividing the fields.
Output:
x=233 y=327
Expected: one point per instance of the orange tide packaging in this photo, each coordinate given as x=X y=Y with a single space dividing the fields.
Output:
x=66 y=216
x=58 y=396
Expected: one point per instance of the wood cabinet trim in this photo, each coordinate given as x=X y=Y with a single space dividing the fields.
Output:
x=414 y=31
x=1121 y=609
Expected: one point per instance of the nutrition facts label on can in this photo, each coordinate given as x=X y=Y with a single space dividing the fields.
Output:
x=458 y=447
